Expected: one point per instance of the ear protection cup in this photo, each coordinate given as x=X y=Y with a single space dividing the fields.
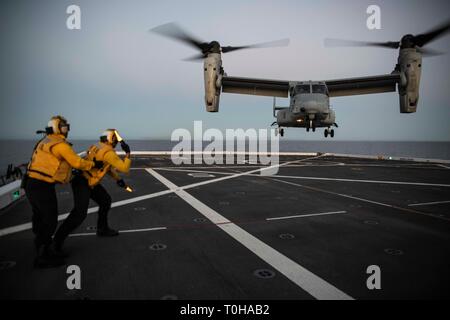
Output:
x=53 y=125
x=57 y=125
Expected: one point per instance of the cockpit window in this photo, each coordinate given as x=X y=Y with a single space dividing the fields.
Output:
x=302 y=89
x=319 y=88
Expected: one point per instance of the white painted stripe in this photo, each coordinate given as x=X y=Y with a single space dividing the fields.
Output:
x=28 y=226
x=357 y=156
x=442 y=166
x=364 y=200
x=196 y=171
x=341 y=194
x=120 y=231
x=365 y=181
x=242 y=173
x=194 y=185
x=408 y=165
x=82 y=234
x=142 y=230
x=427 y=203
x=140 y=198
x=314 y=285
x=305 y=215
x=204 y=167
x=185 y=154
x=386 y=157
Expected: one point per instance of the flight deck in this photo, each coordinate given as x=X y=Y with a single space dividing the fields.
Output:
x=198 y=231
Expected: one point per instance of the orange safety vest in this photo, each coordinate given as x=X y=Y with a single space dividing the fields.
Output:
x=98 y=151
x=46 y=166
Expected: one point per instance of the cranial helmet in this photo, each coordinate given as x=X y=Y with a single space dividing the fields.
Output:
x=109 y=136
x=58 y=125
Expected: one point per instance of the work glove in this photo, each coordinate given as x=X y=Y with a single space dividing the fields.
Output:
x=98 y=164
x=125 y=147
x=121 y=183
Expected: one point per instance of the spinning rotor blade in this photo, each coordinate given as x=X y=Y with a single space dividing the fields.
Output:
x=196 y=58
x=172 y=30
x=407 y=41
x=429 y=52
x=271 y=44
x=352 y=43
x=423 y=39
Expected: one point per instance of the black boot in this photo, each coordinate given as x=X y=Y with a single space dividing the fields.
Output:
x=106 y=232
x=58 y=250
x=46 y=258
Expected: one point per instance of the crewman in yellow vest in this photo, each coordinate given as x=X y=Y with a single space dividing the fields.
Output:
x=51 y=163
x=86 y=185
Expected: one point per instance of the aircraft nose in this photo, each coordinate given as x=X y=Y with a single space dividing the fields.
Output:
x=310 y=105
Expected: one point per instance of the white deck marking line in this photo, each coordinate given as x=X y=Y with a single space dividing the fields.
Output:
x=442 y=166
x=364 y=181
x=305 y=215
x=427 y=203
x=28 y=226
x=194 y=171
x=408 y=166
x=314 y=285
x=243 y=173
x=232 y=167
x=316 y=178
x=82 y=234
x=204 y=167
x=362 y=199
x=120 y=231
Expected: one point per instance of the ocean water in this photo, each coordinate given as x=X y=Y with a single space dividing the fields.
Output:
x=19 y=151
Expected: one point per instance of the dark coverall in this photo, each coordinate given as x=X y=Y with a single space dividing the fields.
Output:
x=41 y=193
x=82 y=193
x=44 y=204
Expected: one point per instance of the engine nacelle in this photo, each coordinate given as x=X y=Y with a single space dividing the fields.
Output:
x=213 y=81
x=410 y=65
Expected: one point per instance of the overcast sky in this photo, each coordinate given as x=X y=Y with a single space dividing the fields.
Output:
x=114 y=73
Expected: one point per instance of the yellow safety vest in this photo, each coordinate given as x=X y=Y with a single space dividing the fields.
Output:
x=46 y=166
x=98 y=151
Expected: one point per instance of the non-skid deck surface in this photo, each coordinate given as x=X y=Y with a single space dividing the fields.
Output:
x=228 y=232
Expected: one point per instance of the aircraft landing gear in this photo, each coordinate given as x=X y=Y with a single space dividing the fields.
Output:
x=279 y=131
x=328 y=132
x=311 y=125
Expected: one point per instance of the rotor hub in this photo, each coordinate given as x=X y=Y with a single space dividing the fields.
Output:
x=407 y=41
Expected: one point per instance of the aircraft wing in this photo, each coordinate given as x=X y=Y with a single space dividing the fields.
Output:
x=364 y=85
x=258 y=87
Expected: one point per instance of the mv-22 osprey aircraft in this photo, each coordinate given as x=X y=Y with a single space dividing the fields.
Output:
x=310 y=100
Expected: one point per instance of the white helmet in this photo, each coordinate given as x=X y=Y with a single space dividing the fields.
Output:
x=58 y=125
x=109 y=136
